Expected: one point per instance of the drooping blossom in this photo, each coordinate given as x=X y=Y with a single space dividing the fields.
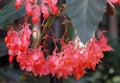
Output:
x=45 y=7
x=73 y=59
x=18 y=42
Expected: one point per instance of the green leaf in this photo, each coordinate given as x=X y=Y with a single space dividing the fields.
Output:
x=85 y=15
x=9 y=14
x=71 y=29
x=10 y=73
x=3 y=49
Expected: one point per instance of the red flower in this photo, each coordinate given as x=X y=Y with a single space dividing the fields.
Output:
x=28 y=7
x=33 y=8
x=115 y=1
x=103 y=43
x=18 y=3
x=36 y=14
x=44 y=10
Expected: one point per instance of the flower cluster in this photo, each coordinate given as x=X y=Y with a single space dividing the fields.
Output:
x=34 y=9
x=73 y=59
x=18 y=42
x=115 y=1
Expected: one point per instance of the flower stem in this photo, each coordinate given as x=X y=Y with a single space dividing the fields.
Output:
x=47 y=24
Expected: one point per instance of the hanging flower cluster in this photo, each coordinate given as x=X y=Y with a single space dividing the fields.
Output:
x=115 y=1
x=34 y=8
x=73 y=59
x=18 y=42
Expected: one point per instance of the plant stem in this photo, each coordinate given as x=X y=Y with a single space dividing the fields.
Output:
x=47 y=24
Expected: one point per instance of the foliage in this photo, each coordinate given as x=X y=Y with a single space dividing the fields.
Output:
x=86 y=15
x=8 y=14
x=4 y=50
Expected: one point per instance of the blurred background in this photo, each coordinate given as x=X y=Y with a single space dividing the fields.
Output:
x=108 y=71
